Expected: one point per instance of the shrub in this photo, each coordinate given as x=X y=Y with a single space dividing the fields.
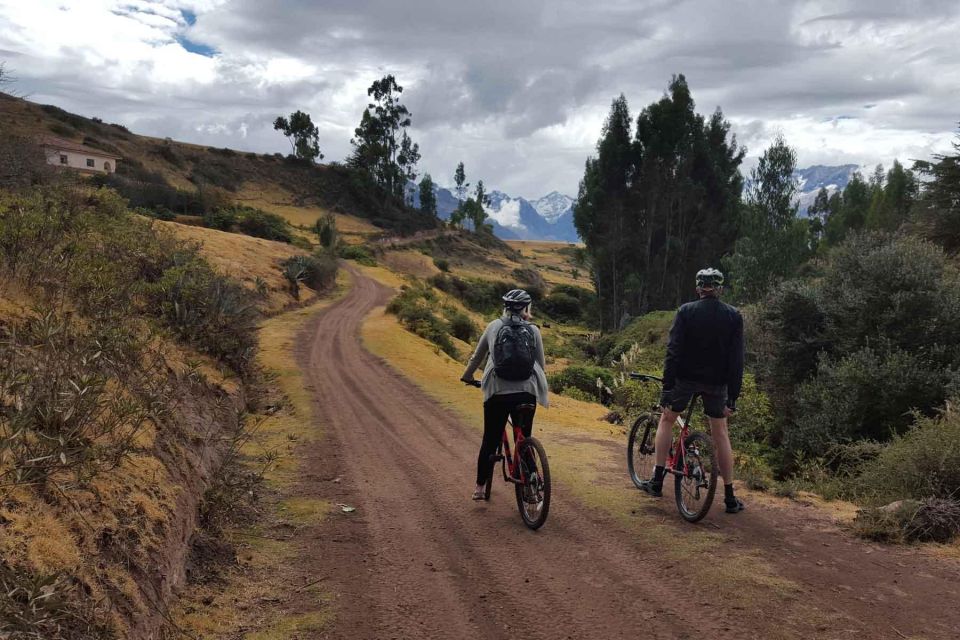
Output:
x=223 y=219
x=933 y=520
x=581 y=377
x=484 y=296
x=413 y=306
x=577 y=394
x=261 y=224
x=866 y=395
x=461 y=326
x=442 y=263
x=319 y=272
x=359 y=253
x=561 y=306
x=922 y=463
x=80 y=399
x=215 y=314
x=531 y=281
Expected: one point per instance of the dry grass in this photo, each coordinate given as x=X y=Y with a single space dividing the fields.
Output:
x=270 y=198
x=555 y=267
x=246 y=259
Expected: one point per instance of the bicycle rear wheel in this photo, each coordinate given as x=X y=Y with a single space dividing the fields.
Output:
x=640 y=454
x=533 y=496
x=696 y=477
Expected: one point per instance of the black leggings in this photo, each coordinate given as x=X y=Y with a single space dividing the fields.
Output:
x=495 y=412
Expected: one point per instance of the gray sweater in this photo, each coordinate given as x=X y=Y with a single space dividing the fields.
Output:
x=493 y=385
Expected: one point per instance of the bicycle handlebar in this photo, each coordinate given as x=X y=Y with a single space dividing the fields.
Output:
x=643 y=377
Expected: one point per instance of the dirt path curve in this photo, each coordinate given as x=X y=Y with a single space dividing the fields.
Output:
x=418 y=559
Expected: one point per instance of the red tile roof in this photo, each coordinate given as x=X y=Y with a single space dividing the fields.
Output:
x=63 y=144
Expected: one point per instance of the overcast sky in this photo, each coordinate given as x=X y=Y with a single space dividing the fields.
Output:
x=517 y=89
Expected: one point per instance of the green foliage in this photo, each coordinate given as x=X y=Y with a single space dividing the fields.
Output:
x=850 y=354
x=938 y=210
x=442 y=263
x=461 y=326
x=646 y=199
x=54 y=606
x=262 y=224
x=582 y=377
x=477 y=294
x=773 y=242
x=383 y=149
x=73 y=400
x=922 y=463
x=415 y=306
x=358 y=252
x=224 y=219
x=302 y=134
x=326 y=229
x=931 y=519
x=428 y=199
x=213 y=313
x=561 y=306
x=650 y=331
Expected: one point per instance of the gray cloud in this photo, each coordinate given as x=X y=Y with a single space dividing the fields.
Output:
x=519 y=90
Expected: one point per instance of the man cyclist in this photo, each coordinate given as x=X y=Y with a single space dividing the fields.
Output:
x=705 y=357
x=525 y=383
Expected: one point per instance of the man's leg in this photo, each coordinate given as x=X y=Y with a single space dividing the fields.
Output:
x=662 y=442
x=721 y=445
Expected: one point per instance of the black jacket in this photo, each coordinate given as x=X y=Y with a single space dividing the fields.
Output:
x=706 y=346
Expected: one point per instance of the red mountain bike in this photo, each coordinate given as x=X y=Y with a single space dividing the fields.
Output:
x=525 y=465
x=691 y=461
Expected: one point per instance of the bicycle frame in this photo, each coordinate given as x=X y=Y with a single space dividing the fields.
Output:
x=510 y=460
x=679 y=447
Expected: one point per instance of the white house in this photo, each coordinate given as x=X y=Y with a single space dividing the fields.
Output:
x=64 y=153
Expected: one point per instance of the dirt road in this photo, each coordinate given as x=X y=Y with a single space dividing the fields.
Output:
x=419 y=559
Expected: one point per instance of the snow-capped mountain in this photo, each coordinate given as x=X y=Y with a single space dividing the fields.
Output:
x=811 y=179
x=553 y=205
x=546 y=218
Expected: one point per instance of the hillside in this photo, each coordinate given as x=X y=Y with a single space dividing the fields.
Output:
x=188 y=179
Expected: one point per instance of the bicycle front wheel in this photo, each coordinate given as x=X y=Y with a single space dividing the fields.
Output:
x=533 y=495
x=696 y=477
x=640 y=449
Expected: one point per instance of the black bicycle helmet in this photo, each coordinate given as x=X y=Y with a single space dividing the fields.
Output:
x=709 y=278
x=516 y=299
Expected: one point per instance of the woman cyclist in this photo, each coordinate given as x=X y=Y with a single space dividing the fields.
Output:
x=516 y=384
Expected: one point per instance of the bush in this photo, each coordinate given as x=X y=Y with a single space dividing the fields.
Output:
x=319 y=272
x=223 y=219
x=561 y=306
x=866 y=395
x=215 y=314
x=461 y=326
x=414 y=307
x=442 y=263
x=851 y=354
x=531 y=281
x=261 y=224
x=359 y=253
x=930 y=520
x=582 y=377
x=484 y=296
x=923 y=463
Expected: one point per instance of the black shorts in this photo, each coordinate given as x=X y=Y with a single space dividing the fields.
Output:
x=714 y=397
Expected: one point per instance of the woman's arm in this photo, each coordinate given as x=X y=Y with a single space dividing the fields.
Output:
x=474 y=363
x=541 y=358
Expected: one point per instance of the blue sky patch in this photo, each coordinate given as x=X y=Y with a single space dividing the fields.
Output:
x=189 y=16
x=196 y=47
